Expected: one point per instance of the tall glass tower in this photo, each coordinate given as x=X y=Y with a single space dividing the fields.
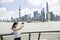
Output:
x=47 y=7
x=47 y=10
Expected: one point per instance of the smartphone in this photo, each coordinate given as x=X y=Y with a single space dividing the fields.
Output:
x=22 y=24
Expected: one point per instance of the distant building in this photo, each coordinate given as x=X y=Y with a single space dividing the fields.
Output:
x=42 y=14
x=12 y=19
x=25 y=17
x=36 y=15
x=19 y=13
x=30 y=16
x=47 y=10
x=57 y=18
x=51 y=16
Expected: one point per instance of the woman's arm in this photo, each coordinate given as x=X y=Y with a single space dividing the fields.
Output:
x=19 y=28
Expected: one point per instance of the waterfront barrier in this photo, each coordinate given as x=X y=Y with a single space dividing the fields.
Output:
x=39 y=34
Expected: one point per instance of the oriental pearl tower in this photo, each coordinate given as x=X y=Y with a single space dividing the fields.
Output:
x=19 y=12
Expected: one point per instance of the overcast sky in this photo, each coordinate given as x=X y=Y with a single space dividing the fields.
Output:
x=9 y=8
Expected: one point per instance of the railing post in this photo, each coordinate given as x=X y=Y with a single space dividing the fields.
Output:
x=29 y=36
x=1 y=37
x=39 y=35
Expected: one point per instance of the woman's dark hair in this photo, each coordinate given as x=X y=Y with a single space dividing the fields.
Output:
x=15 y=23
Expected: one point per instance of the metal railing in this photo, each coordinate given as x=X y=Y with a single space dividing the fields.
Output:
x=1 y=35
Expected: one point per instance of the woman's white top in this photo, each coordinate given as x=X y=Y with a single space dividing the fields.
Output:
x=16 y=33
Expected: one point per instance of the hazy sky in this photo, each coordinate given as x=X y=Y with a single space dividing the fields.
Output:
x=9 y=8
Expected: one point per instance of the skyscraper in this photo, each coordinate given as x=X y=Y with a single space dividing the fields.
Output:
x=43 y=14
x=47 y=9
x=19 y=12
x=25 y=17
x=12 y=19
x=36 y=15
x=52 y=16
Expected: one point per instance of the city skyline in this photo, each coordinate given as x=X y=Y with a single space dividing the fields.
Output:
x=11 y=7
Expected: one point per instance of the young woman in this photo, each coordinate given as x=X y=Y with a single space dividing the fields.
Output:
x=16 y=30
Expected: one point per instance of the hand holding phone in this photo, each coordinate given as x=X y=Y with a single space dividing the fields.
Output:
x=22 y=24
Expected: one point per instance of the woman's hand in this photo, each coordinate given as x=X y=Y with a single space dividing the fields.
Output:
x=22 y=25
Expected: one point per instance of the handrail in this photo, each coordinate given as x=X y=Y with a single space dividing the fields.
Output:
x=1 y=35
x=40 y=32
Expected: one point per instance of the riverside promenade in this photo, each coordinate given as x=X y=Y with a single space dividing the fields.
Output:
x=33 y=31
